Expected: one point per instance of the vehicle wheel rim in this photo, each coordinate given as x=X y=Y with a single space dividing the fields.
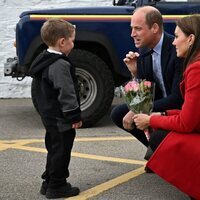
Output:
x=87 y=88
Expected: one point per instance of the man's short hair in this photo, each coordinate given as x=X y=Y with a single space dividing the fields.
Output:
x=54 y=29
x=154 y=16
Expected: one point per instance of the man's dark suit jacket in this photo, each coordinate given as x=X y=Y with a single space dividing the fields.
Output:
x=172 y=69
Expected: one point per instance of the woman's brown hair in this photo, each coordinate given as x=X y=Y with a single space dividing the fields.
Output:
x=191 y=25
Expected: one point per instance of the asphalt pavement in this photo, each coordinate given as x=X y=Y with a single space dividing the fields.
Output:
x=107 y=163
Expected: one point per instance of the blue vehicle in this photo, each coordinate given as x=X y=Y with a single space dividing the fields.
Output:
x=102 y=41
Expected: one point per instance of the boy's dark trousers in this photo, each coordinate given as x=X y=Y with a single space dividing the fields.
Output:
x=59 y=146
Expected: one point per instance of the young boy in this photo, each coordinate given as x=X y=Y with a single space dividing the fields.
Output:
x=57 y=99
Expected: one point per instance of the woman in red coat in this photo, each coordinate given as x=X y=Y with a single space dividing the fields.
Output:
x=176 y=137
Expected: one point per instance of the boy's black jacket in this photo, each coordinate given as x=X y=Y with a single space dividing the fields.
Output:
x=56 y=90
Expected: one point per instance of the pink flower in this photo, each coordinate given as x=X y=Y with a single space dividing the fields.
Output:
x=147 y=83
x=131 y=86
x=138 y=95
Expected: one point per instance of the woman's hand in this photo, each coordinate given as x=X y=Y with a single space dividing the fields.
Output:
x=156 y=113
x=142 y=121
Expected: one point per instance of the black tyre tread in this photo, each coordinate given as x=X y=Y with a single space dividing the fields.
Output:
x=33 y=89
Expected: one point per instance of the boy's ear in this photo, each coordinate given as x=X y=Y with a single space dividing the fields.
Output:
x=62 y=41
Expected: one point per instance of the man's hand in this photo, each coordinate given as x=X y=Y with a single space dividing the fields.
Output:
x=142 y=121
x=77 y=125
x=128 y=120
x=131 y=62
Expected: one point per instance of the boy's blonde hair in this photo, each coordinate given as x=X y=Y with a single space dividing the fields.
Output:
x=54 y=29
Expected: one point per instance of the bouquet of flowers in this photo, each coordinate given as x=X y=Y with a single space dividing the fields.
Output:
x=139 y=96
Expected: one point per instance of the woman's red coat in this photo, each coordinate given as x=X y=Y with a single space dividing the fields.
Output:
x=177 y=159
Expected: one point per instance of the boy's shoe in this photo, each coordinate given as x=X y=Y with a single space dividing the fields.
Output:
x=43 y=188
x=62 y=192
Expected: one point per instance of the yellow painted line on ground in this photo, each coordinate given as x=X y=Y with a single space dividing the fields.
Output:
x=84 y=155
x=80 y=155
x=3 y=147
x=6 y=144
x=108 y=185
x=107 y=158
x=20 y=144
x=84 y=139
x=104 y=139
x=33 y=149
x=25 y=141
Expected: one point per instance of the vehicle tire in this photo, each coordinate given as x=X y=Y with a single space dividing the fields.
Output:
x=33 y=89
x=96 y=86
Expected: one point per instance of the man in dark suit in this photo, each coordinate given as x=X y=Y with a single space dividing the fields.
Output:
x=156 y=61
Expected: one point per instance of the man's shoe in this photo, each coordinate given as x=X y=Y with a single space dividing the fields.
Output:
x=43 y=188
x=62 y=192
x=149 y=153
x=148 y=170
